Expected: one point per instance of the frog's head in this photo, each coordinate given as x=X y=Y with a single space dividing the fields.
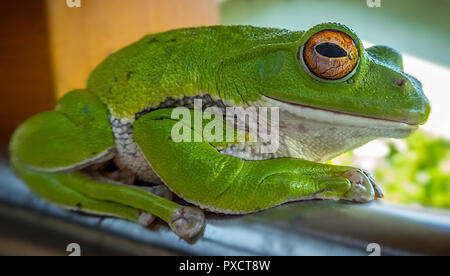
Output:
x=328 y=69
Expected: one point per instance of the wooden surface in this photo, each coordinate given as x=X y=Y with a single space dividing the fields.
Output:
x=82 y=37
x=25 y=71
x=48 y=49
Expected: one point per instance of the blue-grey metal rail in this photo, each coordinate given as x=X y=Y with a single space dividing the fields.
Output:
x=31 y=226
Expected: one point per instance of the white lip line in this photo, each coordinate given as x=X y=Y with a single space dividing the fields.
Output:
x=339 y=112
x=333 y=117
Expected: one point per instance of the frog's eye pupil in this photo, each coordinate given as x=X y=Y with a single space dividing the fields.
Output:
x=329 y=55
x=330 y=50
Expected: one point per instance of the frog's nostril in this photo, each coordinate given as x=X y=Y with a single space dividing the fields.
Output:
x=400 y=82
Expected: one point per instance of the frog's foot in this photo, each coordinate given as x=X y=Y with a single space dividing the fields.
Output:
x=145 y=218
x=187 y=222
x=363 y=188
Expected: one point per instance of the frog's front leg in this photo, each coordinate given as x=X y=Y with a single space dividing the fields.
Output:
x=197 y=172
x=50 y=150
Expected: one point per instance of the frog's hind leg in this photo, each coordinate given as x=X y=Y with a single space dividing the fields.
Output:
x=75 y=190
x=50 y=150
x=52 y=187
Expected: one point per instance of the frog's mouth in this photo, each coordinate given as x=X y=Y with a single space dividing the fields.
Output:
x=337 y=118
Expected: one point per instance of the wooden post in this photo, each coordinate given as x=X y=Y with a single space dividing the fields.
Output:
x=57 y=46
x=81 y=38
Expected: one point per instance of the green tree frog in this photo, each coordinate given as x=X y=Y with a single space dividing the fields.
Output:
x=108 y=149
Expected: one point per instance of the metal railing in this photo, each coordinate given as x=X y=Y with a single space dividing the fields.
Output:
x=301 y=228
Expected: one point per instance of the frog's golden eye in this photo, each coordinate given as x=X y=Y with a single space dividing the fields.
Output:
x=330 y=54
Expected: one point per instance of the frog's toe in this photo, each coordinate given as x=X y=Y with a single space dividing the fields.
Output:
x=377 y=189
x=187 y=222
x=363 y=188
x=145 y=218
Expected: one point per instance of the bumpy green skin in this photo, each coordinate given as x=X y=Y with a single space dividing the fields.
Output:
x=236 y=63
x=180 y=62
x=78 y=129
x=242 y=63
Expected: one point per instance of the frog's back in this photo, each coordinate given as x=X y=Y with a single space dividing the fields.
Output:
x=173 y=64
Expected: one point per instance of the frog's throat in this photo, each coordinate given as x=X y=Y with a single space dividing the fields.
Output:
x=316 y=135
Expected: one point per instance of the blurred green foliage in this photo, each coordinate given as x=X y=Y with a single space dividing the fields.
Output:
x=416 y=170
x=418 y=174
